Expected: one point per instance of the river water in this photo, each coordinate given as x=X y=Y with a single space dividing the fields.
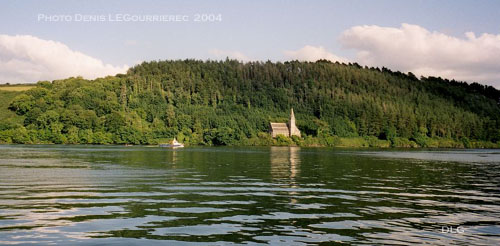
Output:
x=90 y=195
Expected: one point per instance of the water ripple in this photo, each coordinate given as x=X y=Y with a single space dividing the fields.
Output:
x=278 y=196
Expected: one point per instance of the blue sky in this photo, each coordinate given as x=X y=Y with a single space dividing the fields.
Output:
x=256 y=30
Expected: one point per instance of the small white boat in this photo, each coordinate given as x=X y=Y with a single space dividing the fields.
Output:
x=173 y=144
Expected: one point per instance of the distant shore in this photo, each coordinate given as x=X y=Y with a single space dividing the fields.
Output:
x=325 y=142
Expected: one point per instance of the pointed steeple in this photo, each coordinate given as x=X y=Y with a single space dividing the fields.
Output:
x=294 y=131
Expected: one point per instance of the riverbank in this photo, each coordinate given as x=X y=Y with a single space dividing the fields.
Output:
x=266 y=140
x=373 y=142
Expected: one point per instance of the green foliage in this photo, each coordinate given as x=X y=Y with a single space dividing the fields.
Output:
x=8 y=118
x=297 y=141
x=353 y=142
x=389 y=133
x=378 y=143
x=423 y=141
x=449 y=143
x=283 y=140
x=262 y=139
x=224 y=136
x=343 y=127
x=330 y=141
x=22 y=104
x=232 y=103
x=466 y=142
x=403 y=143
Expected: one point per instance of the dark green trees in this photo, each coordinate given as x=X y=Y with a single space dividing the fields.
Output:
x=232 y=103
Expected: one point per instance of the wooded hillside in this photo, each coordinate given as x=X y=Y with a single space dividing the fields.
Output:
x=232 y=103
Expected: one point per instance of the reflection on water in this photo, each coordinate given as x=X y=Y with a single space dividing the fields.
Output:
x=256 y=196
x=285 y=166
x=285 y=163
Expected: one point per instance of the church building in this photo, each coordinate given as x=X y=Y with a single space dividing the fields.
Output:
x=285 y=129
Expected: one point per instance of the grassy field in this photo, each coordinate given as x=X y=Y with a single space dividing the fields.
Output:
x=5 y=114
x=16 y=87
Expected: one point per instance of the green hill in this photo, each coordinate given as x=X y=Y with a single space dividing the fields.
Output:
x=232 y=103
x=8 y=118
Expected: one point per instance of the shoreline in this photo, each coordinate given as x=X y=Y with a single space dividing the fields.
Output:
x=218 y=146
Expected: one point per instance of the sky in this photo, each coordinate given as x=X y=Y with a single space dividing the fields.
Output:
x=55 y=39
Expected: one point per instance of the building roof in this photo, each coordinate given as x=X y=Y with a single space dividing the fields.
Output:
x=279 y=126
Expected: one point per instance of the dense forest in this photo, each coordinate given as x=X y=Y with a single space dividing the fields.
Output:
x=231 y=103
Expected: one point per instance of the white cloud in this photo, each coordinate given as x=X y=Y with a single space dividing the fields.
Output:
x=27 y=59
x=411 y=48
x=232 y=54
x=313 y=53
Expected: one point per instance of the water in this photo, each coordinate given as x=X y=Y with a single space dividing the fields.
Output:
x=87 y=195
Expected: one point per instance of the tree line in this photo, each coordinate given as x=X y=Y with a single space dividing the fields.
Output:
x=231 y=103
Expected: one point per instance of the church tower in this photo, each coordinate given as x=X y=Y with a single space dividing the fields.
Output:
x=294 y=131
